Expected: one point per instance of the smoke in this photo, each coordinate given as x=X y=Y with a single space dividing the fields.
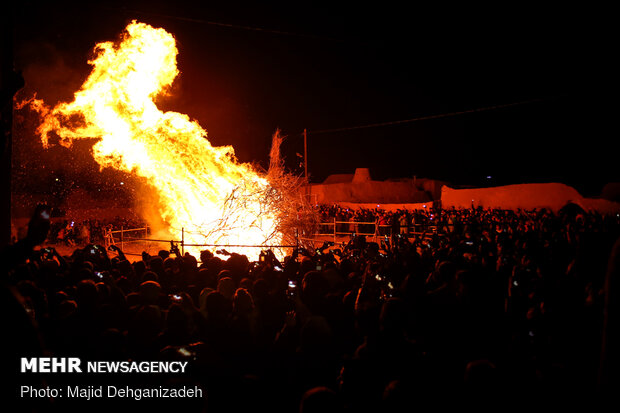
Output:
x=53 y=174
x=51 y=73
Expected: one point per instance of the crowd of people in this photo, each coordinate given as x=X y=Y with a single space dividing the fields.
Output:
x=493 y=304
x=73 y=233
x=379 y=221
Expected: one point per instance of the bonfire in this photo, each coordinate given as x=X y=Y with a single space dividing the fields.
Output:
x=200 y=189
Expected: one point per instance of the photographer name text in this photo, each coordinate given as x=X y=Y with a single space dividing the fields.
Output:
x=111 y=392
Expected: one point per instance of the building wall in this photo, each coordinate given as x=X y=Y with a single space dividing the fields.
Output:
x=377 y=192
x=552 y=196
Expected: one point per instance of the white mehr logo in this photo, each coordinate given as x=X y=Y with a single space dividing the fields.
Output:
x=50 y=365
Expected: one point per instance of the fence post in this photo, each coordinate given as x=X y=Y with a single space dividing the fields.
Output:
x=376 y=228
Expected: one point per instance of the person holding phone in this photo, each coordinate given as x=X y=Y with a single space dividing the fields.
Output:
x=38 y=229
x=116 y=249
x=50 y=254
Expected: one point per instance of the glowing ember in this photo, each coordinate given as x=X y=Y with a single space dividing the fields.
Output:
x=201 y=188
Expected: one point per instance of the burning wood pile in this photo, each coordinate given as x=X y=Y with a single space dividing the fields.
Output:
x=197 y=187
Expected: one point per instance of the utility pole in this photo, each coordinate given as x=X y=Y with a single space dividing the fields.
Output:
x=306 y=155
x=306 y=164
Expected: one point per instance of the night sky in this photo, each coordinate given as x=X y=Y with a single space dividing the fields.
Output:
x=246 y=71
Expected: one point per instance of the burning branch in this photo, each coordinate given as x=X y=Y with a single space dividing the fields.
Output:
x=295 y=217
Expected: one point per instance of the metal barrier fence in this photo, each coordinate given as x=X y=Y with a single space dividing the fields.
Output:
x=369 y=229
x=123 y=238
x=119 y=237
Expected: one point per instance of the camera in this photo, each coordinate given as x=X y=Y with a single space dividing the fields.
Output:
x=175 y=297
x=99 y=275
x=263 y=256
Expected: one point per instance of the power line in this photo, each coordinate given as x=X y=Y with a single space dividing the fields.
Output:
x=227 y=25
x=429 y=117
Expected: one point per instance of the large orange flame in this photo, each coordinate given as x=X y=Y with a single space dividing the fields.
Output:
x=195 y=181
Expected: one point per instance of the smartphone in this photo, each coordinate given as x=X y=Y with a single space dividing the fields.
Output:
x=44 y=211
x=99 y=275
x=292 y=287
x=175 y=297
x=186 y=352
x=277 y=268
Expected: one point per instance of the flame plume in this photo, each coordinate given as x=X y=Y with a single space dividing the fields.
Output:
x=195 y=182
